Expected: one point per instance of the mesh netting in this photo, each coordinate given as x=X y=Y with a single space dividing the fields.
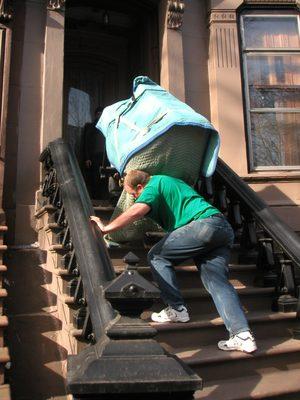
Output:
x=177 y=153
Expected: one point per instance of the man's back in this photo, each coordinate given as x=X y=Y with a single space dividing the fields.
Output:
x=174 y=203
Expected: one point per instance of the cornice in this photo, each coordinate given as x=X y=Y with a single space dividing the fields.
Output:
x=221 y=16
x=175 y=14
x=275 y=2
x=271 y=3
x=6 y=10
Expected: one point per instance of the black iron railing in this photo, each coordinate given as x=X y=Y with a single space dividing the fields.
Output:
x=123 y=357
x=262 y=235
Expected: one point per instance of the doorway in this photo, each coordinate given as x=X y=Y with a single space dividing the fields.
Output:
x=107 y=44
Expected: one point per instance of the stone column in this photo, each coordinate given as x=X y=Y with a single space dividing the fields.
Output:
x=171 y=54
x=5 y=60
x=226 y=96
x=52 y=116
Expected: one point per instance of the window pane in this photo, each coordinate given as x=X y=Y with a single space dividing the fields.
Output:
x=274 y=80
x=275 y=139
x=271 y=32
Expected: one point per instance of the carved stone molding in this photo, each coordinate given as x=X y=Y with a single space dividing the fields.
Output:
x=6 y=10
x=222 y=16
x=270 y=2
x=55 y=5
x=175 y=14
x=275 y=4
x=224 y=41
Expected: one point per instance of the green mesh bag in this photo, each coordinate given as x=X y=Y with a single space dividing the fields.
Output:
x=177 y=153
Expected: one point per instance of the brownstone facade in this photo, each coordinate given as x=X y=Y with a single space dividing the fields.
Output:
x=197 y=56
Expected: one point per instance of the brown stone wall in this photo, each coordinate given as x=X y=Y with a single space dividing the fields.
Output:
x=214 y=87
x=200 y=64
x=24 y=119
x=195 y=53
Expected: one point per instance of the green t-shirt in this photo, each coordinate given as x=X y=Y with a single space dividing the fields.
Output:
x=173 y=203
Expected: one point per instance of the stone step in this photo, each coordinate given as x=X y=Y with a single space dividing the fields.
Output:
x=199 y=301
x=237 y=251
x=3 y=295
x=3 y=230
x=209 y=329
x=275 y=385
x=4 y=392
x=188 y=276
x=4 y=358
x=4 y=355
x=43 y=216
x=70 y=339
x=273 y=354
x=3 y=324
x=3 y=269
x=38 y=361
x=104 y=212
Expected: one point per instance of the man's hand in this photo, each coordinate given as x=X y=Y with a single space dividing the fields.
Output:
x=88 y=163
x=133 y=213
x=99 y=223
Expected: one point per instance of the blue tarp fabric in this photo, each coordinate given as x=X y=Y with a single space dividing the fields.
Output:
x=130 y=125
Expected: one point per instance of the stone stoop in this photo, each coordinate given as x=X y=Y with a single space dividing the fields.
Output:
x=229 y=375
x=226 y=375
x=4 y=352
x=68 y=336
x=38 y=360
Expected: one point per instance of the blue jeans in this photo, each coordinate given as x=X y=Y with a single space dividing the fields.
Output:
x=208 y=242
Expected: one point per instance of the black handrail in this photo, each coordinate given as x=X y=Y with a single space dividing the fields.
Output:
x=95 y=266
x=278 y=230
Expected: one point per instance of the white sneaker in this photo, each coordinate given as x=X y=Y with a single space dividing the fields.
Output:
x=243 y=341
x=169 y=314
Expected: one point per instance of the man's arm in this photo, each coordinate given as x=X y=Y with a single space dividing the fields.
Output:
x=135 y=212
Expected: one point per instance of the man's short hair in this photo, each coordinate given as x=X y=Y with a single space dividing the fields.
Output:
x=136 y=177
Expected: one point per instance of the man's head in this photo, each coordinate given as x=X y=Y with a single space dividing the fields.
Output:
x=135 y=181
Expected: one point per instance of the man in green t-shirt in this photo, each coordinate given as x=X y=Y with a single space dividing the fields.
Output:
x=195 y=229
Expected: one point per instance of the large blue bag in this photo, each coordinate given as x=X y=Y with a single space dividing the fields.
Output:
x=130 y=125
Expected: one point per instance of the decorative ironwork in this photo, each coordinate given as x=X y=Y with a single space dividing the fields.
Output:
x=6 y=10
x=175 y=14
x=56 y=5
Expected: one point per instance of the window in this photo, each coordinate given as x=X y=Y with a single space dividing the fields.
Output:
x=271 y=60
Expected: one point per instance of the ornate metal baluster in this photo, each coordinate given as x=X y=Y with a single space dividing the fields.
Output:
x=286 y=289
x=79 y=317
x=87 y=329
x=221 y=199
x=79 y=294
x=266 y=265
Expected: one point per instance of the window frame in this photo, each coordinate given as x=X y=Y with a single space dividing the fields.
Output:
x=263 y=51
